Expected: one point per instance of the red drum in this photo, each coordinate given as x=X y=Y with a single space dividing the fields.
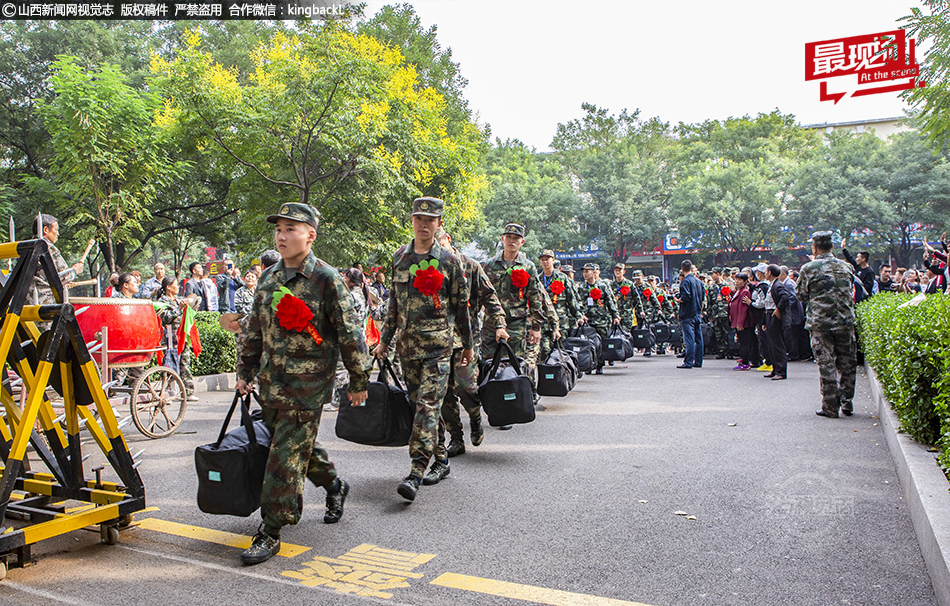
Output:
x=134 y=331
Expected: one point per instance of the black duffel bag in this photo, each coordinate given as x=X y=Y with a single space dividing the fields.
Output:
x=556 y=377
x=582 y=346
x=676 y=335
x=505 y=392
x=642 y=338
x=710 y=346
x=661 y=331
x=385 y=419
x=231 y=470
x=613 y=348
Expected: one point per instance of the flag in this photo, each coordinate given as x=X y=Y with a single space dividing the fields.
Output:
x=188 y=332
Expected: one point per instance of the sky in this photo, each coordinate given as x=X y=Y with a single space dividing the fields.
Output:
x=530 y=64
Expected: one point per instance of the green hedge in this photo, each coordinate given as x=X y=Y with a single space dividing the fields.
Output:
x=909 y=350
x=218 y=350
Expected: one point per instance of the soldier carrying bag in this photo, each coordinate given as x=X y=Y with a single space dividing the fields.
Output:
x=385 y=419
x=231 y=470
x=557 y=375
x=505 y=391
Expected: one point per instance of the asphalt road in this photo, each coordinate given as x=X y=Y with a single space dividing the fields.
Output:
x=591 y=504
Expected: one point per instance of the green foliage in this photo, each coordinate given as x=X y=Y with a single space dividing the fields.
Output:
x=532 y=190
x=218 y=348
x=928 y=27
x=909 y=350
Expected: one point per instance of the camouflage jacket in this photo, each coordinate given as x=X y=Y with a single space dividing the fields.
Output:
x=428 y=325
x=599 y=312
x=481 y=295
x=649 y=305
x=551 y=321
x=294 y=371
x=518 y=307
x=627 y=304
x=40 y=291
x=243 y=300
x=824 y=288
x=565 y=304
x=717 y=306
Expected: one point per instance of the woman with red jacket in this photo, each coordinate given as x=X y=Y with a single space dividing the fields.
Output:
x=740 y=318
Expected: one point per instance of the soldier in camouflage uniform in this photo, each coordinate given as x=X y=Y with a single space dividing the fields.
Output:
x=568 y=271
x=524 y=312
x=463 y=380
x=628 y=300
x=824 y=288
x=295 y=368
x=40 y=291
x=428 y=304
x=600 y=309
x=718 y=309
x=647 y=304
x=560 y=309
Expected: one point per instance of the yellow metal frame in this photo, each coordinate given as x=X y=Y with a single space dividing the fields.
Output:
x=37 y=497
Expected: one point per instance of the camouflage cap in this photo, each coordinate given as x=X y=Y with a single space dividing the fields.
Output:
x=715 y=270
x=557 y=263
x=440 y=233
x=590 y=266
x=514 y=228
x=427 y=207
x=637 y=273
x=760 y=268
x=295 y=211
x=547 y=252
x=822 y=238
x=620 y=266
x=568 y=269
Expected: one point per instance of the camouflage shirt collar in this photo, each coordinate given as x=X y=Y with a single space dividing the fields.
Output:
x=825 y=255
x=434 y=253
x=280 y=270
x=521 y=259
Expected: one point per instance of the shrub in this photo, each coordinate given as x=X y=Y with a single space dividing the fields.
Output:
x=218 y=350
x=909 y=350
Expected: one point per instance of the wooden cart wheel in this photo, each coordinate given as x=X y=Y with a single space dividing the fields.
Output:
x=158 y=402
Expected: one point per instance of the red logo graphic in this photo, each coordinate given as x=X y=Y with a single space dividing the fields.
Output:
x=877 y=61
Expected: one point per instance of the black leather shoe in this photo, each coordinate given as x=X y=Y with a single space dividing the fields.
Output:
x=847 y=412
x=646 y=354
x=720 y=356
x=599 y=371
x=456 y=447
x=335 y=501
x=408 y=488
x=437 y=473
x=262 y=548
x=684 y=366
x=825 y=413
x=610 y=363
x=477 y=431
x=769 y=376
x=779 y=378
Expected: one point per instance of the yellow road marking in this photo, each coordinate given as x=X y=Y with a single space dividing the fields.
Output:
x=215 y=536
x=539 y=595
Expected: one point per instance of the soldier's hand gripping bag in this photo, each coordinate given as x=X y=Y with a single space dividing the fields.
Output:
x=583 y=348
x=612 y=348
x=231 y=470
x=557 y=375
x=505 y=391
x=386 y=417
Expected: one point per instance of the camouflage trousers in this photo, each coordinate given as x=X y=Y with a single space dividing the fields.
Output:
x=628 y=322
x=543 y=347
x=835 y=354
x=721 y=330
x=294 y=457
x=427 y=381
x=463 y=386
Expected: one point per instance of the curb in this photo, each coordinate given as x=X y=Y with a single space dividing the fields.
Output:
x=926 y=491
x=222 y=382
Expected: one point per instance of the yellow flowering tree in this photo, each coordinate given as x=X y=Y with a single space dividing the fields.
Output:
x=329 y=118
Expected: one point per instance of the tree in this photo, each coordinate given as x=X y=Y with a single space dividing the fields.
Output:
x=733 y=182
x=533 y=190
x=108 y=154
x=623 y=167
x=329 y=118
x=932 y=103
